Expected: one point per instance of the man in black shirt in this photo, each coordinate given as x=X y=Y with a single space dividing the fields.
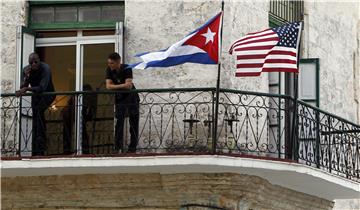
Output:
x=119 y=77
x=37 y=79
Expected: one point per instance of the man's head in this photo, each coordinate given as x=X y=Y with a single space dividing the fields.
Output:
x=114 y=61
x=34 y=61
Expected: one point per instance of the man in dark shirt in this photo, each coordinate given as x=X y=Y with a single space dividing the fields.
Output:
x=119 y=77
x=37 y=79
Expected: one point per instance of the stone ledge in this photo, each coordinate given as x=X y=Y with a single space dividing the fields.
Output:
x=293 y=176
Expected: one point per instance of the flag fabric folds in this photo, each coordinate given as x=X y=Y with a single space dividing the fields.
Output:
x=270 y=50
x=201 y=46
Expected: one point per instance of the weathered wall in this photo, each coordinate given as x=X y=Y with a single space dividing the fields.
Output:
x=155 y=25
x=153 y=191
x=354 y=204
x=12 y=15
x=331 y=35
x=347 y=204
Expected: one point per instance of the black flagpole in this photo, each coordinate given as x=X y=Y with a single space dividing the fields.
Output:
x=296 y=96
x=215 y=124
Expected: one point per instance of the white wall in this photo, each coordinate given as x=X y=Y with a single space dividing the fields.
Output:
x=331 y=35
x=12 y=15
x=155 y=25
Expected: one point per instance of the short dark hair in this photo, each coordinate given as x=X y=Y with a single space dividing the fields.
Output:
x=114 y=56
x=35 y=55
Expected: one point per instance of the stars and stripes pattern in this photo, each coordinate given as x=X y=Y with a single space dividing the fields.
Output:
x=270 y=50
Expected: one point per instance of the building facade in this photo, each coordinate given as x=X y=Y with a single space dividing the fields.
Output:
x=75 y=38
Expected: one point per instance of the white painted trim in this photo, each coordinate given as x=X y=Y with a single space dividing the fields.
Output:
x=78 y=87
x=55 y=44
x=293 y=176
x=119 y=33
x=73 y=39
x=102 y=41
x=18 y=58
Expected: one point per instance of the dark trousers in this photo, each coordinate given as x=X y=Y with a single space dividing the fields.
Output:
x=85 y=138
x=127 y=108
x=68 y=127
x=39 y=106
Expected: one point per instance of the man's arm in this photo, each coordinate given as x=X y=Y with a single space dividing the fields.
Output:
x=44 y=83
x=25 y=85
x=126 y=86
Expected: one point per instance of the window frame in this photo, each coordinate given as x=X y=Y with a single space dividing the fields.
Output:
x=315 y=61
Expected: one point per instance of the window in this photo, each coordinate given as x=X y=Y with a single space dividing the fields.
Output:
x=309 y=81
x=75 y=14
x=282 y=11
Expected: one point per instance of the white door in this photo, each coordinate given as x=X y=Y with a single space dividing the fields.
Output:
x=25 y=45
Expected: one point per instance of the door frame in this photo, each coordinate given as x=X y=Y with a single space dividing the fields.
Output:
x=79 y=84
x=23 y=50
x=79 y=42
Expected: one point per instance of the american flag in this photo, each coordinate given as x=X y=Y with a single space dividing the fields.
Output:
x=270 y=50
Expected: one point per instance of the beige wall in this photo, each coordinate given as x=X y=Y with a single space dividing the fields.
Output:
x=332 y=34
x=331 y=30
x=153 y=191
x=12 y=15
x=155 y=25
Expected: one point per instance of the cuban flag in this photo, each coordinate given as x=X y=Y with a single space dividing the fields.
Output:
x=201 y=46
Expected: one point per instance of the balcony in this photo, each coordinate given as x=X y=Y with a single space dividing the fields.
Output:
x=177 y=129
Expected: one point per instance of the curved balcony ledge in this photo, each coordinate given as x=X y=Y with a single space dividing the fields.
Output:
x=287 y=174
x=188 y=121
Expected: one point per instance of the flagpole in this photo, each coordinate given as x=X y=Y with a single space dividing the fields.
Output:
x=215 y=124
x=294 y=145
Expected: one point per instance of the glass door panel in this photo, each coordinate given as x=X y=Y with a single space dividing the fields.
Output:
x=97 y=110
x=60 y=116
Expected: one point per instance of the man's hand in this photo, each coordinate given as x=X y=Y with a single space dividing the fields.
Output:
x=27 y=72
x=21 y=92
x=128 y=85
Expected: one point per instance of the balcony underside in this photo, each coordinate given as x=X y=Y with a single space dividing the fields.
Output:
x=294 y=176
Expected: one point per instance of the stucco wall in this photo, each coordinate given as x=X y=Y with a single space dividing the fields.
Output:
x=155 y=25
x=153 y=191
x=331 y=35
x=354 y=204
x=12 y=15
x=347 y=204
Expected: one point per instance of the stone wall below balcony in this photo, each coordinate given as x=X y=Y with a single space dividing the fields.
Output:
x=153 y=191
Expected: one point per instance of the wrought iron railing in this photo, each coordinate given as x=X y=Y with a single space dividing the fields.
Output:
x=181 y=121
x=327 y=142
